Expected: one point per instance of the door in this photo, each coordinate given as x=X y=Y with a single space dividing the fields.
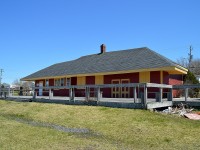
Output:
x=116 y=90
x=40 y=88
x=125 y=91
x=120 y=92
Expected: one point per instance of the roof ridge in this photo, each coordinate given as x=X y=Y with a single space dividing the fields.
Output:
x=118 y=51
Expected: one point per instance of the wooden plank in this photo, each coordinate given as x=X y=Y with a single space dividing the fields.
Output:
x=159 y=85
x=186 y=86
x=192 y=116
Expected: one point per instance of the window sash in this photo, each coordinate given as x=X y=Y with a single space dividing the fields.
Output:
x=57 y=82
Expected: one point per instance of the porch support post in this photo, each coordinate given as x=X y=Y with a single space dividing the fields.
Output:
x=160 y=94
x=98 y=94
x=50 y=95
x=34 y=94
x=87 y=93
x=71 y=94
x=135 y=94
x=9 y=94
x=186 y=94
x=5 y=92
x=170 y=98
x=145 y=96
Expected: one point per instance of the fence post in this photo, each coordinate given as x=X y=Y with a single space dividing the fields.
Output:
x=145 y=95
x=50 y=95
x=71 y=94
x=8 y=91
x=5 y=93
x=160 y=94
x=186 y=94
x=98 y=94
x=87 y=93
x=135 y=94
x=170 y=98
x=34 y=94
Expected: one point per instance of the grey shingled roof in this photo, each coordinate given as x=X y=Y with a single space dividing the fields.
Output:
x=123 y=60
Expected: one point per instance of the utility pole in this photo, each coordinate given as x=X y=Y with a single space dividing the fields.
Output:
x=1 y=73
x=190 y=56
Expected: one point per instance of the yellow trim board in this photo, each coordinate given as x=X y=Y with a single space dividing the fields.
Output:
x=170 y=70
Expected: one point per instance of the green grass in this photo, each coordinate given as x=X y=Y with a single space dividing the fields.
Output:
x=111 y=128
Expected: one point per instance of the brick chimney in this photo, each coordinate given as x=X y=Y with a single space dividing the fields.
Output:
x=103 y=48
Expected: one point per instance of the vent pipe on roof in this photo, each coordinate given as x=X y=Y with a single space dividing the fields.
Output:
x=103 y=48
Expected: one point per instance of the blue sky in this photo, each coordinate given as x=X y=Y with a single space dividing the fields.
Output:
x=35 y=34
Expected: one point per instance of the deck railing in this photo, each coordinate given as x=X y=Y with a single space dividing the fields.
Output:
x=140 y=91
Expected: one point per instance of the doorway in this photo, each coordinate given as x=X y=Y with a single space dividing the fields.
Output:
x=120 y=92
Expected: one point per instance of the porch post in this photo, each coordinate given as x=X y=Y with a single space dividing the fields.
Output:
x=71 y=94
x=160 y=94
x=98 y=94
x=34 y=94
x=87 y=93
x=50 y=96
x=170 y=98
x=186 y=94
x=9 y=92
x=135 y=94
x=145 y=95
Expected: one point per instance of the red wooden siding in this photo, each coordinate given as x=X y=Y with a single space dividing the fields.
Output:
x=155 y=77
x=165 y=77
x=133 y=77
x=51 y=82
x=176 y=80
x=90 y=80
x=73 y=80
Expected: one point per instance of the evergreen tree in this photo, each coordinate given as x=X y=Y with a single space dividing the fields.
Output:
x=190 y=78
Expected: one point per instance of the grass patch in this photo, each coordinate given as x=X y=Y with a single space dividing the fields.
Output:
x=111 y=128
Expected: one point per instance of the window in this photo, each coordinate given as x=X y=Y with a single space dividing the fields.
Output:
x=47 y=82
x=57 y=82
x=62 y=81
x=68 y=82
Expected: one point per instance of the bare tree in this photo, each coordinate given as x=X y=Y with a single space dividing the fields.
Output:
x=195 y=66
x=183 y=62
x=27 y=85
x=17 y=82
